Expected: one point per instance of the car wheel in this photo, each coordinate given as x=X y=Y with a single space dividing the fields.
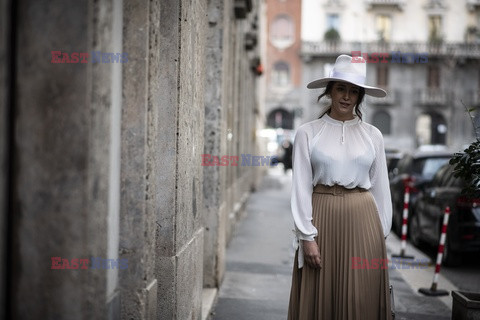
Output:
x=450 y=258
x=414 y=231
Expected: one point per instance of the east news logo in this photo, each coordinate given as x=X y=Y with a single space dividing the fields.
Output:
x=96 y=263
x=83 y=57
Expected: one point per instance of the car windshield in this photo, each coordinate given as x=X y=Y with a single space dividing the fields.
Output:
x=427 y=167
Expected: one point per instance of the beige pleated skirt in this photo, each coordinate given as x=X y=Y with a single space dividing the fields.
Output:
x=351 y=284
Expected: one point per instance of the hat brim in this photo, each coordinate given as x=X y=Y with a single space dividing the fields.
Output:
x=371 y=91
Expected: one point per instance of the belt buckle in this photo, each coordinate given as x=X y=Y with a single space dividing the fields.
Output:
x=337 y=191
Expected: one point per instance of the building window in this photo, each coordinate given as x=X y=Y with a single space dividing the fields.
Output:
x=382 y=75
x=333 y=21
x=282 y=31
x=384 y=27
x=281 y=74
x=435 y=28
x=433 y=76
x=333 y=25
x=477 y=21
x=381 y=120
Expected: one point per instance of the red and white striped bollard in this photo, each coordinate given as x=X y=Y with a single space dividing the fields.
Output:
x=406 y=202
x=433 y=289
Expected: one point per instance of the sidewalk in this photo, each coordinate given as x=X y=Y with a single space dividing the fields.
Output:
x=260 y=259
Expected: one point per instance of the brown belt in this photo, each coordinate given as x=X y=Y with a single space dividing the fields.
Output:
x=336 y=189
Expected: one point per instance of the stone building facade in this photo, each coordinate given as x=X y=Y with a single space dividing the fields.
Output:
x=432 y=68
x=101 y=158
x=283 y=63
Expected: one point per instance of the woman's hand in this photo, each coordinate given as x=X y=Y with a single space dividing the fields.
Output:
x=311 y=253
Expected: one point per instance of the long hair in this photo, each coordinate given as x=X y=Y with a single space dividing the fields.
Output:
x=328 y=90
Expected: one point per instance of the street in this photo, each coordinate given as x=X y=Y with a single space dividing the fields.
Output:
x=260 y=259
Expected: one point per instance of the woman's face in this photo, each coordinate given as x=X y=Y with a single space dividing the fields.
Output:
x=344 y=97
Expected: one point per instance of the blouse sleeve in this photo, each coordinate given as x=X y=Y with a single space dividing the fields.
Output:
x=380 y=185
x=302 y=187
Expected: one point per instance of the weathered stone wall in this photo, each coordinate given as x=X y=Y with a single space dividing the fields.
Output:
x=230 y=119
x=107 y=156
x=5 y=111
x=62 y=159
x=138 y=283
x=215 y=138
x=180 y=145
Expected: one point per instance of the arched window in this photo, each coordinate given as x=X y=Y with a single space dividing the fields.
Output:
x=382 y=120
x=333 y=21
x=281 y=74
x=282 y=31
x=280 y=118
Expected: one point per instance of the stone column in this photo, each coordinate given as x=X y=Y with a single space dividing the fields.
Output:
x=215 y=138
x=6 y=60
x=176 y=101
x=138 y=201
x=64 y=166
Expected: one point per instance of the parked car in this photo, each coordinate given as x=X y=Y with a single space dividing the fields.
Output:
x=463 y=232
x=413 y=170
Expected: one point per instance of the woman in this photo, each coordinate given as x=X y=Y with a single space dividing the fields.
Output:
x=341 y=206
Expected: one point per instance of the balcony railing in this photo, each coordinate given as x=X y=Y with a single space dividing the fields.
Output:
x=432 y=97
x=397 y=3
x=334 y=3
x=473 y=4
x=450 y=50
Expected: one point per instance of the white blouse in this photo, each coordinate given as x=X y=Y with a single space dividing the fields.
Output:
x=348 y=153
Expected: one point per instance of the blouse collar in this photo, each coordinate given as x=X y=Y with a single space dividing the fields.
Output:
x=338 y=122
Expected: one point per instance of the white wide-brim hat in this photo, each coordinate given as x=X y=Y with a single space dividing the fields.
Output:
x=347 y=70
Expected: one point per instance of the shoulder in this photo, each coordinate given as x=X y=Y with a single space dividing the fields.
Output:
x=372 y=130
x=310 y=128
x=374 y=134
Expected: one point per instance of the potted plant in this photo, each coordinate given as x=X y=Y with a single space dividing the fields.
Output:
x=466 y=305
x=467 y=163
x=331 y=35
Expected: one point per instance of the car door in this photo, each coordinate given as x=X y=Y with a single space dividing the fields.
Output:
x=432 y=202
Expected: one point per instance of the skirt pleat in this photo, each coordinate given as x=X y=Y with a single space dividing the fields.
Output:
x=353 y=282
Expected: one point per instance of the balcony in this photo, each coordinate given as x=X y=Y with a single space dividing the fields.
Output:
x=334 y=4
x=332 y=49
x=431 y=97
x=473 y=4
x=390 y=99
x=386 y=3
